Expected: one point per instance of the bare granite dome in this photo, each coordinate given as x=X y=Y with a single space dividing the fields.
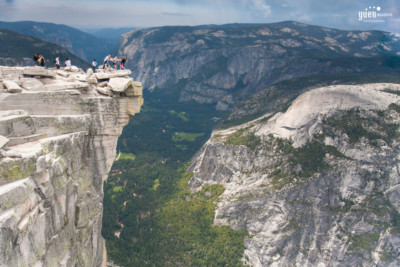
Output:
x=301 y=120
x=317 y=185
x=58 y=136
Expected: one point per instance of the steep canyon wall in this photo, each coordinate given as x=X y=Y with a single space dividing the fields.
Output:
x=58 y=136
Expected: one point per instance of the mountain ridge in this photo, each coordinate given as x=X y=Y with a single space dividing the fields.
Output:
x=223 y=64
x=18 y=50
x=82 y=44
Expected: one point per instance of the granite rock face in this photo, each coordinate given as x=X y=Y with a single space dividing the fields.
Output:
x=222 y=65
x=317 y=185
x=58 y=137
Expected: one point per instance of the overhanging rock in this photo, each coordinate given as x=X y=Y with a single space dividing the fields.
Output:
x=58 y=137
x=119 y=85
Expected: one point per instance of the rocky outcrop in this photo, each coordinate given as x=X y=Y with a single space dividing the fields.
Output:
x=58 y=136
x=222 y=65
x=317 y=185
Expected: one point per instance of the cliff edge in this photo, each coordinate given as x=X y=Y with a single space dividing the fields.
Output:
x=58 y=137
x=315 y=185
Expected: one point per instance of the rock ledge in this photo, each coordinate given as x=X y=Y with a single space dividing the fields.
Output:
x=58 y=136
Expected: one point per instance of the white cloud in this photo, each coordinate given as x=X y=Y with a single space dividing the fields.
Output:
x=262 y=7
x=305 y=18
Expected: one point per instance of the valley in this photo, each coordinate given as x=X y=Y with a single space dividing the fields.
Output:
x=257 y=144
x=192 y=90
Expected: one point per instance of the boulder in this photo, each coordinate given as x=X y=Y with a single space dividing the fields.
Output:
x=74 y=69
x=89 y=72
x=37 y=71
x=119 y=84
x=32 y=84
x=80 y=77
x=13 y=77
x=93 y=80
x=104 y=91
x=103 y=84
x=112 y=74
x=12 y=87
x=1 y=85
x=3 y=141
x=62 y=73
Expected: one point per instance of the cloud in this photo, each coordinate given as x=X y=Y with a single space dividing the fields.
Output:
x=262 y=7
x=174 y=14
x=305 y=18
x=144 y=13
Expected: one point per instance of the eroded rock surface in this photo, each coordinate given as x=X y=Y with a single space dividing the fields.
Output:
x=317 y=185
x=58 y=137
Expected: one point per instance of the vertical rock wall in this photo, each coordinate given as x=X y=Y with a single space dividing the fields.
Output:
x=58 y=136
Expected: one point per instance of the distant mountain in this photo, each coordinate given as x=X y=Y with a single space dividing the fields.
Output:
x=18 y=50
x=222 y=65
x=81 y=44
x=110 y=33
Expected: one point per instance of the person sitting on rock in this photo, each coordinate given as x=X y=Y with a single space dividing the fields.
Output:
x=122 y=65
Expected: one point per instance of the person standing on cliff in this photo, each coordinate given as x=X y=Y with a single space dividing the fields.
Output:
x=58 y=62
x=41 y=60
x=67 y=63
x=36 y=59
x=122 y=65
x=106 y=63
x=94 y=64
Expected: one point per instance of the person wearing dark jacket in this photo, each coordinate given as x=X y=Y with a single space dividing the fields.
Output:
x=36 y=59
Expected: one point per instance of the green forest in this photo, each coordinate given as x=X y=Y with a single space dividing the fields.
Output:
x=147 y=201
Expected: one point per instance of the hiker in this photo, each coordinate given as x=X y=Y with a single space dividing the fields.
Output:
x=58 y=62
x=94 y=64
x=107 y=62
x=115 y=60
x=41 y=60
x=36 y=59
x=122 y=65
x=67 y=63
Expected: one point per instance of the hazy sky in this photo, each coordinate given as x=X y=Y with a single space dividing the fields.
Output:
x=342 y=14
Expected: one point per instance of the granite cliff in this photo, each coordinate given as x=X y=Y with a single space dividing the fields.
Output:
x=316 y=185
x=58 y=136
x=222 y=65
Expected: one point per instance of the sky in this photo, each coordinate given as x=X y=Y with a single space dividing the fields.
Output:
x=342 y=14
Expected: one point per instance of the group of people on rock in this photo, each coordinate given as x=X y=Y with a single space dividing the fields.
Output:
x=108 y=60
x=40 y=61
